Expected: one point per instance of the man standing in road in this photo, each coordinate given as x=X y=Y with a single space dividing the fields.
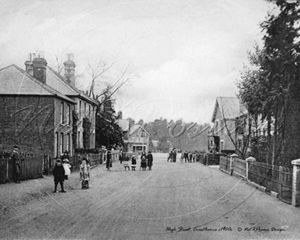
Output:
x=15 y=157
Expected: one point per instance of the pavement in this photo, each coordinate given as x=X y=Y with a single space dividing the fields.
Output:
x=173 y=201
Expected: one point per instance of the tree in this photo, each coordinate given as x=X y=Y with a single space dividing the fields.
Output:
x=276 y=82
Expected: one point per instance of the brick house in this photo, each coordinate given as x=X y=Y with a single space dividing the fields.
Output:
x=222 y=136
x=86 y=107
x=33 y=115
x=41 y=109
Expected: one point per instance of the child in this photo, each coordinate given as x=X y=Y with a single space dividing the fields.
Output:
x=85 y=173
x=133 y=163
x=59 y=176
x=67 y=166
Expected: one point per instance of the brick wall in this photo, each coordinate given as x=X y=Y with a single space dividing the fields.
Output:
x=27 y=121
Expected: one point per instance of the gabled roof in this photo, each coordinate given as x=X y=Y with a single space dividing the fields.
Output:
x=124 y=124
x=135 y=128
x=56 y=81
x=230 y=108
x=16 y=81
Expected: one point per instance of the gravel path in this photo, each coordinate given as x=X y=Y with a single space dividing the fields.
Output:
x=173 y=201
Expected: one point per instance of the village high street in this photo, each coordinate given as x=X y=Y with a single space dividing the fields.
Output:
x=173 y=201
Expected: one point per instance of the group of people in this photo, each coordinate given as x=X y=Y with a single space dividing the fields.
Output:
x=187 y=156
x=146 y=160
x=190 y=156
x=62 y=171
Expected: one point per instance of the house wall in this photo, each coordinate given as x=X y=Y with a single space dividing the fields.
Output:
x=85 y=109
x=63 y=130
x=225 y=129
x=136 y=140
x=27 y=121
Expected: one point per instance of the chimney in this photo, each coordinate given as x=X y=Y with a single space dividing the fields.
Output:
x=29 y=64
x=39 y=67
x=70 y=69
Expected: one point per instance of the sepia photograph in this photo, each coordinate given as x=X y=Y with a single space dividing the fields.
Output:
x=149 y=119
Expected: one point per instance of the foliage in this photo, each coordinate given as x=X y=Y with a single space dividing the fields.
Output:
x=74 y=129
x=270 y=86
x=108 y=132
x=86 y=124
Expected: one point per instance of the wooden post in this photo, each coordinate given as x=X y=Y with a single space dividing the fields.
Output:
x=296 y=183
x=249 y=159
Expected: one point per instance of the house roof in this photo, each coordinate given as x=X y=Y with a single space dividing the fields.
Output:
x=135 y=128
x=124 y=124
x=230 y=108
x=16 y=81
x=56 y=81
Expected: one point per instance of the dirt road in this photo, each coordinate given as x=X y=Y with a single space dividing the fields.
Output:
x=173 y=201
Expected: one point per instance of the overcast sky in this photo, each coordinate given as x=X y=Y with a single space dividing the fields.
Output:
x=183 y=53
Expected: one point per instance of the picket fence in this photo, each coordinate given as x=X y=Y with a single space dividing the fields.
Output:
x=274 y=178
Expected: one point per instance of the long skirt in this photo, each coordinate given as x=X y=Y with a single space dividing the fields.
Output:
x=85 y=184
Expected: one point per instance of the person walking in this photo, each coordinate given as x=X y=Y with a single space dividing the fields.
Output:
x=16 y=160
x=149 y=160
x=174 y=155
x=143 y=161
x=108 y=160
x=186 y=156
x=133 y=163
x=84 y=173
x=59 y=176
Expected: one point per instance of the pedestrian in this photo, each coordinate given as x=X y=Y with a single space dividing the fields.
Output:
x=133 y=163
x=149 y=160
x=108 y=160
x=67 y=168
x=190 y=157
x=186 y=156
x=121 y=156
x=143 y=161
x=170 y=157
x=84 y=173
x=59 y=176
x=16 y=160
x=174 y=155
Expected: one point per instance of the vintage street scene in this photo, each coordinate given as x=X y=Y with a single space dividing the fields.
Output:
x=124 y=120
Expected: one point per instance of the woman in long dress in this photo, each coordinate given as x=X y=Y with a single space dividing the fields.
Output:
x=143 y=161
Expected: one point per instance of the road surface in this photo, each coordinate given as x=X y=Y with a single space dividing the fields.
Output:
x=173 y=201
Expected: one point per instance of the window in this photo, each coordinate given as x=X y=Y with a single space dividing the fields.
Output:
x=222 y=145
x=84 y=109
x=89 y=111
x=79 y=109
x=61 y=143
x=62 y=112
x=69 y=114
x=78 y=139
x=56 y=140
x=68 y=142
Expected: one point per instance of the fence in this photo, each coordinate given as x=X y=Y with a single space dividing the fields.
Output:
x=94 y=159
x=209 y=158
x=31 y=167
x=225 y=164
x=274 y=178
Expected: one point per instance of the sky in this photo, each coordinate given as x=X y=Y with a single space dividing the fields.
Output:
x=181 y=55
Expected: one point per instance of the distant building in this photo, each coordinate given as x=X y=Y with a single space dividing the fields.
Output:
x=135 y=137
x=222 y=137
